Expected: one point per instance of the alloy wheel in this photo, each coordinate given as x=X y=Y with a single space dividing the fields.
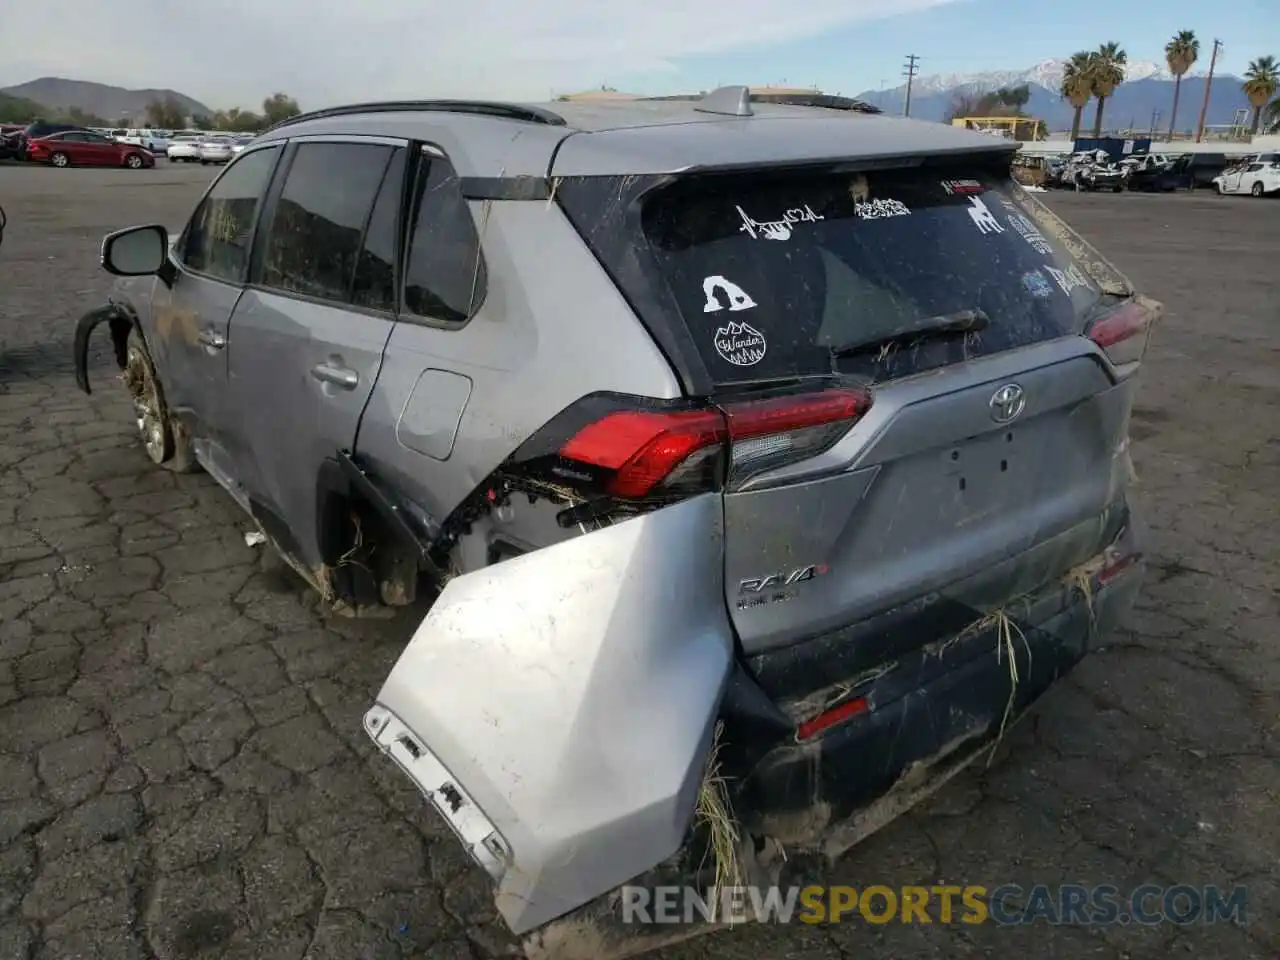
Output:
x=140 y=379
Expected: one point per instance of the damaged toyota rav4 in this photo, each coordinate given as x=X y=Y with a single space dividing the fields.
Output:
x=763 y=461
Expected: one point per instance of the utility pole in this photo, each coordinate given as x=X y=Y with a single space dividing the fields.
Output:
x=909 y=71
x=1208 y=85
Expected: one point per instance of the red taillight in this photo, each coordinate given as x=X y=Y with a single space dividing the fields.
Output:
x=1115 y=566
x=644 y=447
x=1123 y=334
x=651 y=451
x=829 y=718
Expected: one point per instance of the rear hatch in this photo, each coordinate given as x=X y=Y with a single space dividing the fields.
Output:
x=949 y=308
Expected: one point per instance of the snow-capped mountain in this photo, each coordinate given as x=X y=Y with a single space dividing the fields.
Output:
x=1046 y=73
x=1143 y=100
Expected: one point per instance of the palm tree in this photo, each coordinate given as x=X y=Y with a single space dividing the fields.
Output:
x=1077 y=86
x=1180 y=53
x=1260 y=83
x=1107 y=73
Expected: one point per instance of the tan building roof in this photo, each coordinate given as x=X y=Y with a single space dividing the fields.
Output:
x=603 y=94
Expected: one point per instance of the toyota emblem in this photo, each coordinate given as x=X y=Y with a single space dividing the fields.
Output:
x=1007 y=403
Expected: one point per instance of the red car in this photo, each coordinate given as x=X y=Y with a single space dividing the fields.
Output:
x=86 y=149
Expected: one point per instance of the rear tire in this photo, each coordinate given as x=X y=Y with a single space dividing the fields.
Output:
x=60 y=160
x=164 y=445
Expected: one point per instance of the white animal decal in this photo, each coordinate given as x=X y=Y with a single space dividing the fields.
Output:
x=983 y=218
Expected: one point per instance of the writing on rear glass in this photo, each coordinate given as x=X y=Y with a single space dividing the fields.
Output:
x=879 y=209
x=740 y=344
x=1068 y=279
x=779 y=229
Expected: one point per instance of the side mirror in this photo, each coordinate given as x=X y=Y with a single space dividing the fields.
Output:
x=135 y=251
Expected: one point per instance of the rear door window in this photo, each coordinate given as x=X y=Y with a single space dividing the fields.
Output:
x=318 y=225
x=772 y=275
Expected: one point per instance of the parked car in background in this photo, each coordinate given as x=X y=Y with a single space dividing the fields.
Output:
x=12 y=141
x=718 y=433
x=84 y=148
x=157 y=141
x=1257 y=179
x=239 y=143
x=1195 y=171
x=41 y=128
x=216 y=150
x=184 y=149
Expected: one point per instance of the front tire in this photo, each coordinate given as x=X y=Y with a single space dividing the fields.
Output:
x=164 y=445
x=133 y=161
x=60 y=160
x=1257 y=190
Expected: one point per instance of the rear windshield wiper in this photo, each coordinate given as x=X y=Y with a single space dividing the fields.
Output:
x=927 y=328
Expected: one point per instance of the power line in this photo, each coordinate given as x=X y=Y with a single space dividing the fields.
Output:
x=909 y=71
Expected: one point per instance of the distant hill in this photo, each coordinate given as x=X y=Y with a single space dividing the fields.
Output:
x=1147 y=92
x=110 y=103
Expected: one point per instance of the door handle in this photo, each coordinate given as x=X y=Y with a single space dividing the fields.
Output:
x=343 y=377
x=212 y=339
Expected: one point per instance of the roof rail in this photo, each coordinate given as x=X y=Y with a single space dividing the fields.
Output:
x=502 y=111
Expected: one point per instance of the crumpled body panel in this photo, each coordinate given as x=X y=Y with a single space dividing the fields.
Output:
x=558 y=708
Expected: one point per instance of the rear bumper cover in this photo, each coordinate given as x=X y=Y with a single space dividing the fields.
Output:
x=557 y=709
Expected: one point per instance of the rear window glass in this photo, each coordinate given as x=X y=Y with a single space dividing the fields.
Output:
x=772 y=275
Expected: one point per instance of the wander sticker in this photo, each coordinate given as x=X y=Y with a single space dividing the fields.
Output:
x=1037 y=284
x=740 y=344
x=1068 y=279
x=962 y=188
x=983 y=218
x=779 y=229
x=713 y=286
x=1027 y=230
x=880 y=209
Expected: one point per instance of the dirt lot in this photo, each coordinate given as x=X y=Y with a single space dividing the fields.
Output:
x=182 y=768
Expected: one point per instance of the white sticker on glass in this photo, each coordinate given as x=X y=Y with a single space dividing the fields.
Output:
x=1027 y=230
x=1068 y=279
x=983 y=218
x=956 y=188
x=737 y=297
x=879 y=209
x=776 y=229
x=740 y=344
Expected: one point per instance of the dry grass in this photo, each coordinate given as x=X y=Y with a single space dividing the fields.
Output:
x=715 y=813
x=1005 y=629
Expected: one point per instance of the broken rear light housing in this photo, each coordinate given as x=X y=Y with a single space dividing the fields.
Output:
x=1123 y=334
x=636 y=450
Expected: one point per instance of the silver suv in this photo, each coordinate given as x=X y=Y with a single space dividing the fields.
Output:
x=767 y=459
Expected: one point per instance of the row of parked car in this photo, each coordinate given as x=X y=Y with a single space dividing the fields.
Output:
x=65 y=145
x=1091 y=170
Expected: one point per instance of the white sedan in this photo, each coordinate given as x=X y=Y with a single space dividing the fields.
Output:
x=185 y=149
x=1255 y=178
x=216 y=150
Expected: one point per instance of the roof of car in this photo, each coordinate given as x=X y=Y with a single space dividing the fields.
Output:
x=639 y=136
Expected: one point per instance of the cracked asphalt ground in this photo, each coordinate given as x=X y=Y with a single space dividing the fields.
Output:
x=182 y=768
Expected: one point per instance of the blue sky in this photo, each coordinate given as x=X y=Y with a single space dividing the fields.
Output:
x=977 y=35
x=353 y=50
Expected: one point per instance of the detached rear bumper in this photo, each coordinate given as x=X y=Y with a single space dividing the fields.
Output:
x=556 y=709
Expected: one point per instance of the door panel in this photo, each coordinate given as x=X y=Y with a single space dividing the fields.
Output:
x=300 y=375
x=308 y=336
